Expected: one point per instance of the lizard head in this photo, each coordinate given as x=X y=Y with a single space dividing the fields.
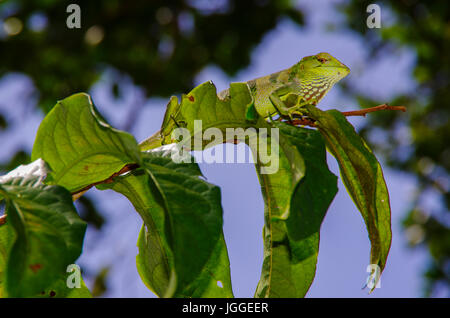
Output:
x=318 y=73
x=323 y=65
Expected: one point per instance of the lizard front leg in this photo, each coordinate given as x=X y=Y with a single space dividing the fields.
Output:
x=286 y=108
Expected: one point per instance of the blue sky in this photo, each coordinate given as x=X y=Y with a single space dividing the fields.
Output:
x=344 y=245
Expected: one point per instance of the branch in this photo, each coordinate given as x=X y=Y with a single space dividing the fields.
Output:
x=361 y=112
x=296 y=122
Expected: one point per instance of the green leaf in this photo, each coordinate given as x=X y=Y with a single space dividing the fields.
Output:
x=60 y=290
x=181 y=248
x=168 y=125
x=362 y=176
x=153 y=259
x=79 y=146
x=214 y=281
x=43 y=233
x=202 y=103
x=7 y=239
x=296 y=199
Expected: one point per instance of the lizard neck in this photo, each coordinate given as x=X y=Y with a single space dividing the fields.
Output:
x=313 y=87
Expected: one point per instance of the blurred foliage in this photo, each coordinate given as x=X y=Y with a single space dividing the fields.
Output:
x=3 y=122
x=19 y=158
x=88 y=212
x=100 y=285
x=417 y=142
x=161 y=45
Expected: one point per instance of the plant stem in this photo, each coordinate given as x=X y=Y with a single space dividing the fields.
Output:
x=296 y=122
x=361 y=112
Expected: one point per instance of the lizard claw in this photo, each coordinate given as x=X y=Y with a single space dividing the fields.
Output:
x=296 y=113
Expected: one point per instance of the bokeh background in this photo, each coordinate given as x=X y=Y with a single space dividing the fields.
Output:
x=132 y=55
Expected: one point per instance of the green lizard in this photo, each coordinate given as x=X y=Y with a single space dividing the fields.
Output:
x=306 y=82
x=283 y=93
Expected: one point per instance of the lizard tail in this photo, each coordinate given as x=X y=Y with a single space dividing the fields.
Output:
x=151 y=142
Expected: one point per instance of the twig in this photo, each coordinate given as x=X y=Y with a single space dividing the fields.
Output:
x=295 y=122
x=361 y=112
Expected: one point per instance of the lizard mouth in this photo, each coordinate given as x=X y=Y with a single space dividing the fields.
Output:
x=343 y=69
x=333 y=66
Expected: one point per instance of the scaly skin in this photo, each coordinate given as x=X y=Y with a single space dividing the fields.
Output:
x=287 y=91
x=283 y=93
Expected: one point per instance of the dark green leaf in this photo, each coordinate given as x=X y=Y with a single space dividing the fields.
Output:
x=79 y=146
x=7 y=239
x=43 y=233
x=214 y=281
x=60 y=290
x=181 y=249
x=202 y=103
x=362 y=176
x=296 y=199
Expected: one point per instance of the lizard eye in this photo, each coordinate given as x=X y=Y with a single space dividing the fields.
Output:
x=321 y=60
